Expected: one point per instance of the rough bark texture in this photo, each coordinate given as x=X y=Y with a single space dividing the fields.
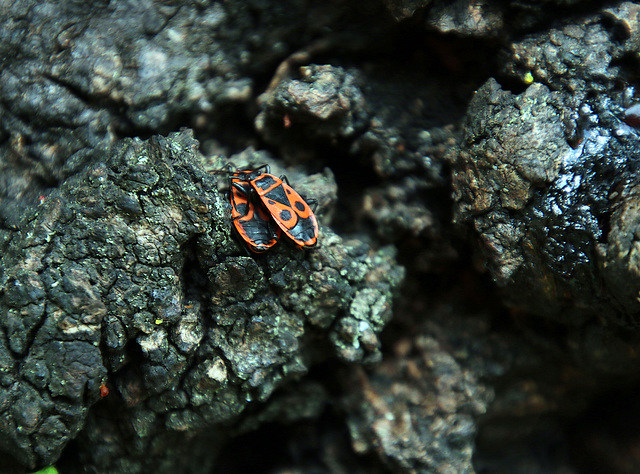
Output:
x=472 y=305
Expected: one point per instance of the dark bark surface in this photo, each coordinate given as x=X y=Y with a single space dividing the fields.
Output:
x=472 y=304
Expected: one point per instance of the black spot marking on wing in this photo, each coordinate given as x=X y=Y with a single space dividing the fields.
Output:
x=285 y=215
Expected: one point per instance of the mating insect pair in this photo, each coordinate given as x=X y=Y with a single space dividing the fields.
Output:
x=264 y=206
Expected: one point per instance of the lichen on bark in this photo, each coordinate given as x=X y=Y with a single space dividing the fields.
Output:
x=127 y=274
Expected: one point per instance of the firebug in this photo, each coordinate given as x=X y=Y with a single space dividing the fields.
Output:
x=287 y=208
x=250 y=219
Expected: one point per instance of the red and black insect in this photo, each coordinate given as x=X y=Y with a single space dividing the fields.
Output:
x=287 y=208
x=251 y=220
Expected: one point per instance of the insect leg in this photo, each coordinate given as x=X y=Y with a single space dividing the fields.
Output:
x=313 y=203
